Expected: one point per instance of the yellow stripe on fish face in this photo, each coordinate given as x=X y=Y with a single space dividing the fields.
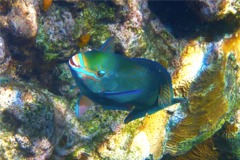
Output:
x=84 y=71
x=77 y=60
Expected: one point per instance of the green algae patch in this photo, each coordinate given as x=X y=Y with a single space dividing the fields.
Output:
x=94 y=21
x=27 y=121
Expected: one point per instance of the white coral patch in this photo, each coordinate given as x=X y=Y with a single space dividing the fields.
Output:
x=141 y=145
x=9 y=97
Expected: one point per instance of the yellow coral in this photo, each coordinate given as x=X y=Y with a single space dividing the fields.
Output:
x=154 y=127
x=232 y=45
x=190 y=63
x=225 y=8
x=205 y=150
x=210 y=96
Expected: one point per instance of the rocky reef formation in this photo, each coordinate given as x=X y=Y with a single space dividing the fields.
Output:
x=4 y=56
x=198 y=42
x=27 y=122
x=21 y=20
x=214 y=10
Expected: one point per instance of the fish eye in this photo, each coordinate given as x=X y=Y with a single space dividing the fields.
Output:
x=101 y=73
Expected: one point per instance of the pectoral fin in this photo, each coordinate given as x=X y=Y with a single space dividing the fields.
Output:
x=82 y=105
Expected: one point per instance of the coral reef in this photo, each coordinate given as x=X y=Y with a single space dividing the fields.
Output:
x=143 y=139
x=37 y=93
x=205 y=150
x=54 y=35
x=21 y=21
x=188 y=68
x=27 y=122
x=207 y=109
x=128 y=31
x=214 y=10
x=231 y=44
x=4 y=56
x=34 y=123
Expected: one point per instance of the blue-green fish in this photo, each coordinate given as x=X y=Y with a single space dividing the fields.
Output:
x=120 y=83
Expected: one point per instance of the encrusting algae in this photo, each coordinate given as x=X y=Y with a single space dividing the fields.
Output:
x=46 y=4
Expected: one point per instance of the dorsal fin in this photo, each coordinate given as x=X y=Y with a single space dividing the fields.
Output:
x=108 y=46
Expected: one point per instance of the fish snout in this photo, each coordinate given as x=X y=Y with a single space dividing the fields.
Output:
x=74 y=61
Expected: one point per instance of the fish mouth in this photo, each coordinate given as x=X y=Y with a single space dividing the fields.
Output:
x=74 y=62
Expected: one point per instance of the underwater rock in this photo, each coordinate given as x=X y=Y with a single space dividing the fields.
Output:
x=72 y=137
x=231 y=45
x=31 y=121
x=227 y=140
x=66 y=82
x=186 y=69
x=55 y=34
x=141 y=34
x=214 y=10
x=21 y=21
x=129 y=32
x=36 y=124
x=225 y=144
x=70 y=1
x=119 y=2
x=5 y=6
x=140 y=139
x=4 y=56
x=211 y=93
x=205 y=150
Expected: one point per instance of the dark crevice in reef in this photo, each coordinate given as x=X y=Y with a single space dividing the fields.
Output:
x=183 y=22
x=30 y=65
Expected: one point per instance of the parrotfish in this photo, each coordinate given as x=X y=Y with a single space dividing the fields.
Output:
x=117 y=82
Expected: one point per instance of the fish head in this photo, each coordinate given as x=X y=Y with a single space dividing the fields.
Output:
x=93 y=70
